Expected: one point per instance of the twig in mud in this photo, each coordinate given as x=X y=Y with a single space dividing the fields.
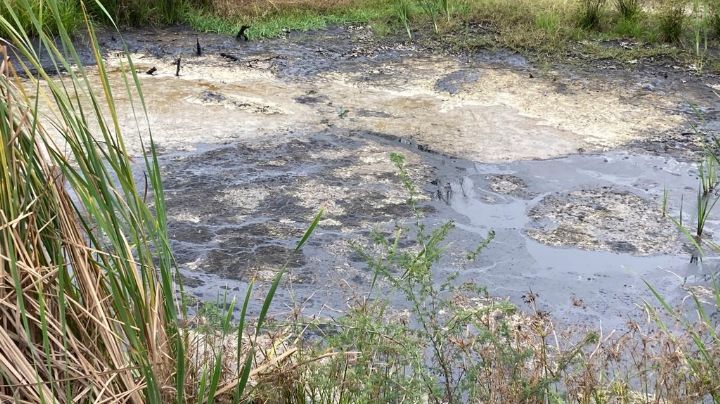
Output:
x=253 y=62
x=177 y=67
x=241 y=36
x=198 y=49
x=229 y=56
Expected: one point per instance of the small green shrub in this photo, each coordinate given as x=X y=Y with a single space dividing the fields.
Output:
x=382 y=361
x=630 y=27
x=547 y=22
x=672 y=22
x=629 y=9
x=590 y=12
x=453 y=344
x=432 y=8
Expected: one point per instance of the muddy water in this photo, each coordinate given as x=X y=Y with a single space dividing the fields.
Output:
x=567 y=166
x=584 y=232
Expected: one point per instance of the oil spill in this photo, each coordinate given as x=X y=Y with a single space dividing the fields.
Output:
x=584 y=227
x=256 y=145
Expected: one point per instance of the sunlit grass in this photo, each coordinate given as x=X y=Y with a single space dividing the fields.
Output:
x=277 y=22
x=103 y=323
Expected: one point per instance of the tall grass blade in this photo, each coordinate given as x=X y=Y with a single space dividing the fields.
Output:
x=243 y=371
x=309 y=230
x=105 y=324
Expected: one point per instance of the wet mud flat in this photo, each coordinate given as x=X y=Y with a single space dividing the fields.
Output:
x=583 y=232
x=489 y=106
x=568 y=167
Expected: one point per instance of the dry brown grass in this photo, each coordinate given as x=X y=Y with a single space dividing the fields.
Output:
x=60 y=340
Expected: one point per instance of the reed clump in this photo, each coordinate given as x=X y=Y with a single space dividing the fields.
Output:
x=67 y=324
x=90 y=309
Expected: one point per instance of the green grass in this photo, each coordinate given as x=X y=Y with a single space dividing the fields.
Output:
x=277 y=23
x=714 y=16
x=403 y=10
x=69 y=15
x=632 y=28
x=110 y=306
x=545 y=29
x=547 y=22
x=590 y=14
x=671 y=23
x=629 y=9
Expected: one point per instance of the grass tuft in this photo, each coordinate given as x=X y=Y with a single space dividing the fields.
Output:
x=87 y=317
x=629 y=9
x=590 y=14
x=403 y=10
x=672 y=22
x=91 y=308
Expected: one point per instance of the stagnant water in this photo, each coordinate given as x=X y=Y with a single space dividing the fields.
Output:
x=567 y=165
x=584 y=232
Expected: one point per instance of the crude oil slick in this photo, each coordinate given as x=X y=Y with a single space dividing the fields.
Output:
x=568 y=166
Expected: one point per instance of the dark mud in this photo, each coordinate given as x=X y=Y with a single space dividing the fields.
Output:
x=296 y=55
x=236 y=211
x=457 y=81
